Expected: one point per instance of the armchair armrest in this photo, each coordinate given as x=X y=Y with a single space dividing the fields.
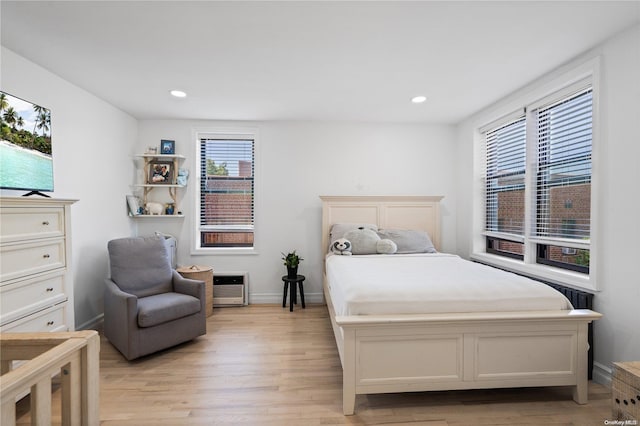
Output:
x=121 y=313
x=188 y=286
x=116 y=299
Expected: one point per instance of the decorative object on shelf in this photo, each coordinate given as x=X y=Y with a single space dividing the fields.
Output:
x=152 y=150
x=161 y=172
x=291 y=261
x=169 y=208
x=167 y=147
x=183 y=175
x=134 y=206
x=154 y=208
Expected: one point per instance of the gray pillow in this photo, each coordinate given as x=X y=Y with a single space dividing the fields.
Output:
x=409 y=241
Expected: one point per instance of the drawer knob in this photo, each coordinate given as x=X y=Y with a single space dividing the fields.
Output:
x=49 y=289
x=625 y=402
x=617 y=401
x=46 y=256
x=50 y=322
x=45 y=223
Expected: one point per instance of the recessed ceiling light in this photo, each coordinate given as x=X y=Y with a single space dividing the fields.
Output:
x=418 y=99
x=178 y=93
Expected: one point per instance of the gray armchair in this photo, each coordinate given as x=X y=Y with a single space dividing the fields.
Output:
x=148 y=306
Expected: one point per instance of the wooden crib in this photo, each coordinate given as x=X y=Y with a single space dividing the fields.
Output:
x=74 y=355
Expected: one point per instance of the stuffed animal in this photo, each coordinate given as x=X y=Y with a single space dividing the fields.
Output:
x=367 y=241
x=341 y=246
x=154 y=208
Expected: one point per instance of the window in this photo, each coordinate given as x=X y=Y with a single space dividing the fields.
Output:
x=504 y=191
x=538 y=182
x=226 y=191
x=563 y=180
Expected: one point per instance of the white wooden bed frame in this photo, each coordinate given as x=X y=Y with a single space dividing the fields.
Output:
x=405 y=353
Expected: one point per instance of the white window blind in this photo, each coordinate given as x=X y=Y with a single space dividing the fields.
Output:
x=226 y=192
x=563 y=180
x=505 y=174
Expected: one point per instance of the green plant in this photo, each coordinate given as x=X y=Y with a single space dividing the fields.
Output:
x=582 y=258
x=291 y=259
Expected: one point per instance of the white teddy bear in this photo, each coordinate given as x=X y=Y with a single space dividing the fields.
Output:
x=367 y=241
x=341 y=246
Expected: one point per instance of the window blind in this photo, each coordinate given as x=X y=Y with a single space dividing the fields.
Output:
x=505 y=173
x=563 y=180
x=226 y=185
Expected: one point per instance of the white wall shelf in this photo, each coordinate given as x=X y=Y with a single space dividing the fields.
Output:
x=149 y=160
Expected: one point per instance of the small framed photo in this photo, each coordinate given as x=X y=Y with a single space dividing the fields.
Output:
x=167 y=146
x=161 y=172
x=134 y=205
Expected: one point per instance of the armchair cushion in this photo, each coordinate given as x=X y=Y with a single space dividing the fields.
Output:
x=165 y=307
x=141 y=265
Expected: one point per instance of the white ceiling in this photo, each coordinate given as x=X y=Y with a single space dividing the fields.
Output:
x=302 y=60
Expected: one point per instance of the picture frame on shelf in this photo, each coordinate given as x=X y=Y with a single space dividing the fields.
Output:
x=134 y=205
x=167 y=147
x=160 y=173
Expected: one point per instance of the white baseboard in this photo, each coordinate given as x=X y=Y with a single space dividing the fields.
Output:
x=602 y=374
x=271 y=298
x=92 y=324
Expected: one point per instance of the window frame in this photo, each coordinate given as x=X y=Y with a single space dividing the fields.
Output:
x=543 y=92
x=223 y=133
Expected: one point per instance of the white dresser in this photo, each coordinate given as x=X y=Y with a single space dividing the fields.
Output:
x=36 y=287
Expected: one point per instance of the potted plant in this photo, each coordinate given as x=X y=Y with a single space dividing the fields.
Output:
x=291 y=261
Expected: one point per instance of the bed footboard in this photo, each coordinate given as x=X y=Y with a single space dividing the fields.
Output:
x=464 y=351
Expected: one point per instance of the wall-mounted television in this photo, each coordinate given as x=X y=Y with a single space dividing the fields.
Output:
x=26 y=162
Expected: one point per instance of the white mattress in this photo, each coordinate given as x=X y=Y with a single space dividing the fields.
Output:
x=431 y=283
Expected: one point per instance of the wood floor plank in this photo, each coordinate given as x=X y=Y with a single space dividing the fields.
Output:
x=263 y=365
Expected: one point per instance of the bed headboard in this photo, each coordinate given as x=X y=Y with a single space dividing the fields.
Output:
x=391 y=212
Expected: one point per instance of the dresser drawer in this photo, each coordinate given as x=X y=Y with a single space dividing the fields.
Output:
x=19 y=260
x=22 y=298
x=20 y=224
x=51 y=319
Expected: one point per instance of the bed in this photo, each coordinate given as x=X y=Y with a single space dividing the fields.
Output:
x=406 y=349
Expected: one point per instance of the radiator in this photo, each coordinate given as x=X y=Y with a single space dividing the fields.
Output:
x=580 y=300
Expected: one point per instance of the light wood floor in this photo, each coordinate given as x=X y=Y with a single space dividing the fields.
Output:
x=262 y=365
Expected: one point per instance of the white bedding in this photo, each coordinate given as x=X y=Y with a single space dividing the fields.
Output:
x=431 y=283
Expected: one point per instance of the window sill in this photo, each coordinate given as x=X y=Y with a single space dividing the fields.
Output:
x=537 y=271
x=226 y=251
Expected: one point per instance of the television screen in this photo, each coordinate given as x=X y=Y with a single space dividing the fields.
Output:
x=25 y=145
